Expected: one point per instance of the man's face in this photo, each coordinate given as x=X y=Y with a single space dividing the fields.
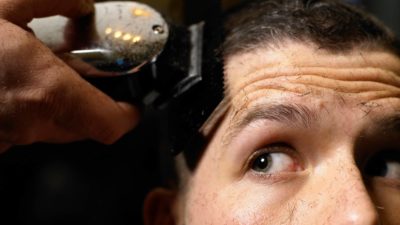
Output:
x=310 y=138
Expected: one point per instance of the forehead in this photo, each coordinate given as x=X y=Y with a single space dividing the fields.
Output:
x=297 y=70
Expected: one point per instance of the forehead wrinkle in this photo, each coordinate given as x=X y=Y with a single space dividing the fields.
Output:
x=298 y=73
x=289 y=113
x=364 y=100
x=307 y=83
x=303 y=56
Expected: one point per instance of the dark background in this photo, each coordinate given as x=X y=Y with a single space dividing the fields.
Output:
x=89 y=183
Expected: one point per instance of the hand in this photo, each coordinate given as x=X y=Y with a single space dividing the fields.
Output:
x=41 y=98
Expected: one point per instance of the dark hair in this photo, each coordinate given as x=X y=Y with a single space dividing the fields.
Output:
x=331 y=25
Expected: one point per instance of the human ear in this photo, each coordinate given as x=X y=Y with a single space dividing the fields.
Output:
x=159 y=207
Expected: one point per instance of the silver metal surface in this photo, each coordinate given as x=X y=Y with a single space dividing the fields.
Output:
x=120 y=38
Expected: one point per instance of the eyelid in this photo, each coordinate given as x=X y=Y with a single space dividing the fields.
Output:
x=279 y=147
x=373 y=142
x=237 y=130
x=261 y=135
x=390 y=154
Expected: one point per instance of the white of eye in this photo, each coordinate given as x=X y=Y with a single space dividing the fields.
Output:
x=274 y=162
x=393 y=170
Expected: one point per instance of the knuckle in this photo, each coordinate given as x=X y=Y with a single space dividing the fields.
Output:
x=47 y=102
x=27 y=114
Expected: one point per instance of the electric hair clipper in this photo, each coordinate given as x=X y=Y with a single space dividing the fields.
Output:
x=137 y=56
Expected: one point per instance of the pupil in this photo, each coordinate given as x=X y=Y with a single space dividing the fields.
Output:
x=262 y=163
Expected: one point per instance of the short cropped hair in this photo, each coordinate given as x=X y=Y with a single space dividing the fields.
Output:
x=331 y=25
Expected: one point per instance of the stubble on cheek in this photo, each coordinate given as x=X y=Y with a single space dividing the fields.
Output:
x=264 y=214
x=200 y=209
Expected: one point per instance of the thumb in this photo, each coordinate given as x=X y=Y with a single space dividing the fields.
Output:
x=21 y=12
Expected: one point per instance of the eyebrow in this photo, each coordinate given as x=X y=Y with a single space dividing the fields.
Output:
x=390 y=123
x=293 y=114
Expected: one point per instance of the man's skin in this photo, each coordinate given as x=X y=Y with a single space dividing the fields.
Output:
x=321 y=119
x=41 y=97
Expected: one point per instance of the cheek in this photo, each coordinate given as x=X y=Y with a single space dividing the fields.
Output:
x=239 y=204
x=218 y=208
x=202 y=207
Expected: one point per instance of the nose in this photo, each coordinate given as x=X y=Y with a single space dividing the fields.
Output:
x=351 y=202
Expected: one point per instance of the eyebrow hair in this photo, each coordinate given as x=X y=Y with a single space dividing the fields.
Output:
x=391 y=123
x=293 y=114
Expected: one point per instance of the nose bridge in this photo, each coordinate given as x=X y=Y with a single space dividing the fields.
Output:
x=352 y=204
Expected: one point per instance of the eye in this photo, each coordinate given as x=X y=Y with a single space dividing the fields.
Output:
x=270 y=161
x=385 y=165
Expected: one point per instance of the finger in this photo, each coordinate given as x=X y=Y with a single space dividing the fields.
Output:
x=83 y=68
x=84 y=110
x=106 y=120
x=23 y=11
x=83 y=126
x=61 y=96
